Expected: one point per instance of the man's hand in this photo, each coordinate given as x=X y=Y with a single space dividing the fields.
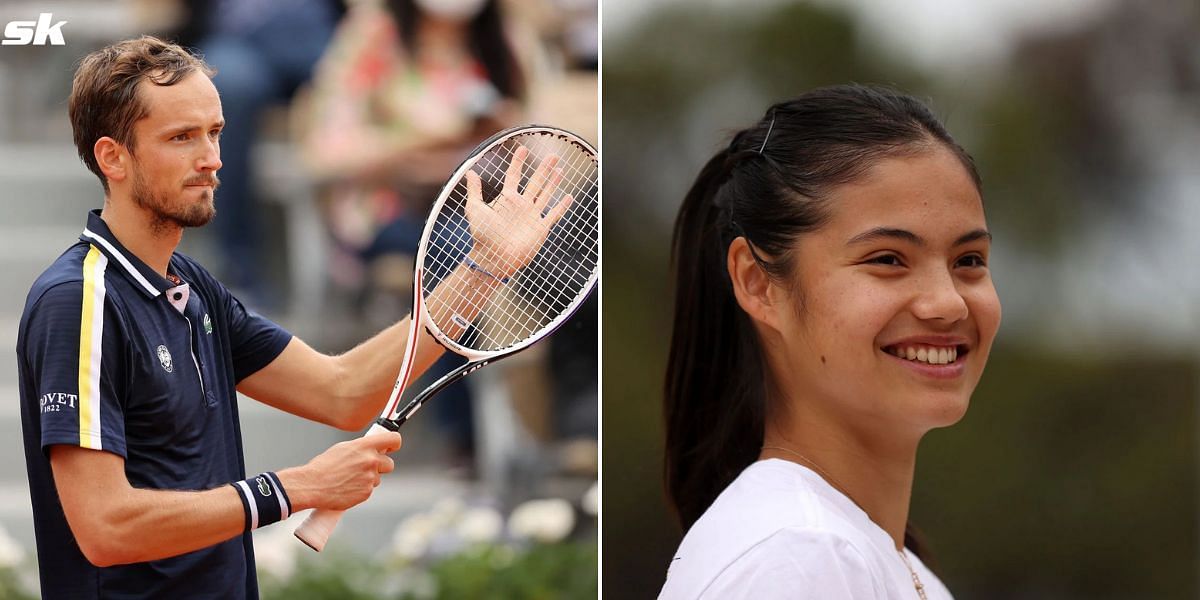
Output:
x=509 y=232
x=343 y=476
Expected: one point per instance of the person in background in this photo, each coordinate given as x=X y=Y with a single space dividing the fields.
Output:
x=263 y=51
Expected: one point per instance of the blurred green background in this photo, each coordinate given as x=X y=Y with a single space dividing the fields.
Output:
x=1074 y=474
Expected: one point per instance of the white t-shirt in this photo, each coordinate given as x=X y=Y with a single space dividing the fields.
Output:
x=781 y=531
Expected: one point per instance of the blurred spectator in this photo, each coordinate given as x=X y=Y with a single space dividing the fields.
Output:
x=263 y=51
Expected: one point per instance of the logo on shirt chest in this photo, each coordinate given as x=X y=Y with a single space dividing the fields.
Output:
x=164 y=359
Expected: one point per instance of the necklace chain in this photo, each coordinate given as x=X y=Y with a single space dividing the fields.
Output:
x=916 y=580
x=920 y=587
x=841 y=488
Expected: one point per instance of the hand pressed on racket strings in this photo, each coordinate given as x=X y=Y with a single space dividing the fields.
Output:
x=509 y=231
x=502 y=262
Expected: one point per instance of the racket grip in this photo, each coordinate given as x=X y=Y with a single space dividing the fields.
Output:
x=316 y=529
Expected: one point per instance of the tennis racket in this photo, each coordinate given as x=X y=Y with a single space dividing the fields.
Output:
x=509 y=251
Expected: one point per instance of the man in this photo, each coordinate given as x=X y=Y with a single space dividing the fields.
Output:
x=129 y=356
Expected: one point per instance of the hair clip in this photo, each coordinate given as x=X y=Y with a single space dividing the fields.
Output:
x=768 y=136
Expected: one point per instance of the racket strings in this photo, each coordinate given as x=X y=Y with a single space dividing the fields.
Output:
x=555 y=274
x=537 y=285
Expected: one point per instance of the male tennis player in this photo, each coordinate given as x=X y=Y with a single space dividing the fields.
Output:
x=130 y=354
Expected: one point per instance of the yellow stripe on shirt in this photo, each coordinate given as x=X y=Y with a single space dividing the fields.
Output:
x=91 y=333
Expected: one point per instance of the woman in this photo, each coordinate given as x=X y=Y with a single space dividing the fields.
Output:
x=833 y=304
x=408 y=86
x=405 y=90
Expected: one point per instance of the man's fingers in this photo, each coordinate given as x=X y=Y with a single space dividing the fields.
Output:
x=545 y=174
x=474 y=188
x=512 y=177
x=385 y=442
x=386 y=464
x=547 y=192
x=559 y=210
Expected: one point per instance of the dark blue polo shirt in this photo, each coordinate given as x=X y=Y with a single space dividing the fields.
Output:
x=114 y=357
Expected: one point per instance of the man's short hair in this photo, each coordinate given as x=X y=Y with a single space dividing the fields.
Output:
x=104 y=97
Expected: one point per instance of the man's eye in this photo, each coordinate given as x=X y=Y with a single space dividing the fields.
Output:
x=183 y=137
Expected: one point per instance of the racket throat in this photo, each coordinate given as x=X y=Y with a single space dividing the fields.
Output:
x=413 y=406
x=389 y=424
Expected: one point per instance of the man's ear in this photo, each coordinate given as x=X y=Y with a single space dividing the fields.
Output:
x=113 y=158
x=755 y=291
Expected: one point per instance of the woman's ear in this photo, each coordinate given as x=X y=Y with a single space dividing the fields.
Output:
x=756 y=293
x=111 y=156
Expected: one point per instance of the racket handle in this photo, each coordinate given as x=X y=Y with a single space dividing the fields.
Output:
x=316 y=529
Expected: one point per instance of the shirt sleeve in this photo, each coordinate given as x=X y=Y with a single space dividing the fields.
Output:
x=255 y=341
x=76 y=354
x=797 y=564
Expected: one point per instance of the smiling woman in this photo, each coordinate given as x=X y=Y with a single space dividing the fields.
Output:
x=833 y=305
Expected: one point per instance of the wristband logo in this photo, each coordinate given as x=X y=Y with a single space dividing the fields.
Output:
x=34 y=33
x=264 y=488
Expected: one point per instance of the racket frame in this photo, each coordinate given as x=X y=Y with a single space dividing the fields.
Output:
x=317 y=528
x=393 y=416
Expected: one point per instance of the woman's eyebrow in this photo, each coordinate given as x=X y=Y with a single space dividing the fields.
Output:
x=904 y=235
x=879 y=233
x=967 y=238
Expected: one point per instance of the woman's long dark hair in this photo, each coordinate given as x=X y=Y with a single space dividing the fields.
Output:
x=488 y=43
x=770 y=185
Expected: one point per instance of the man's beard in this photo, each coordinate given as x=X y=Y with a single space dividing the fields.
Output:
x=164 y=215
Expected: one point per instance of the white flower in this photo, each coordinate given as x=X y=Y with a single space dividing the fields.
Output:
x=11 y=552
x=591 y=500
x=546 y=521
x=275 y=550
x=413 y=536
x=480 y=525
x=446 y=511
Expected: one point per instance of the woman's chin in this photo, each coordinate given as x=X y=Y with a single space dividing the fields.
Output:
x=941 y=410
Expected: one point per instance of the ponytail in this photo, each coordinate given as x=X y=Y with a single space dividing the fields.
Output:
x=714 y=385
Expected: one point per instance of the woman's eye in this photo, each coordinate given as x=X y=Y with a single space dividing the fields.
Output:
x=972 y=260
x=885 y=259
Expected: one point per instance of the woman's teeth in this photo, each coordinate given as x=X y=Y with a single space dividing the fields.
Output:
x=934 y=355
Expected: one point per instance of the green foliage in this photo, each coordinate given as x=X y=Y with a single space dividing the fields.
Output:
x=11 y=587
x=545 y=572
x=561 y=571
x=330 y=577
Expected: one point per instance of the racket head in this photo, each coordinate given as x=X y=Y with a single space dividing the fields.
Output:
x=544 y=292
